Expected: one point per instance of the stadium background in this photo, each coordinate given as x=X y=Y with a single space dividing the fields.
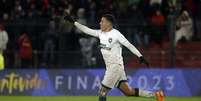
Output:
x=58 y=50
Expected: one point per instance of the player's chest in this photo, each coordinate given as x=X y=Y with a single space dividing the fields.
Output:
x=107 y=38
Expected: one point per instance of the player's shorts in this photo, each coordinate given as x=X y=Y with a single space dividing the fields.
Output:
x=113 y=76
x=1 y=62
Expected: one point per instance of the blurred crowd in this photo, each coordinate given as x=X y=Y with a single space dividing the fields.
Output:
x=38 y=25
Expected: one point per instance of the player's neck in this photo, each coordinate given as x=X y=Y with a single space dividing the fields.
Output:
x=108 y=29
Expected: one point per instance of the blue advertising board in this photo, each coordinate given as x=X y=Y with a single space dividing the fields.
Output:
x=64 y=82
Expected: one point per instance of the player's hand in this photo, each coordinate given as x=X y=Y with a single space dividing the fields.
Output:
x=144 y=61
x=69 y=18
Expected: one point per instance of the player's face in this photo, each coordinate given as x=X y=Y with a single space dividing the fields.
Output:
x=105 y=25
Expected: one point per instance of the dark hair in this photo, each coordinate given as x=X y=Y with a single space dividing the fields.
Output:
x=110 y=18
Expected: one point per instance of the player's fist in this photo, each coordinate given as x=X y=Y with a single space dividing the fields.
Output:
x=69 y=18
x=144 y=61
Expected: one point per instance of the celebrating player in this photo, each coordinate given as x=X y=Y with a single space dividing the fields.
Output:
x=111 y=42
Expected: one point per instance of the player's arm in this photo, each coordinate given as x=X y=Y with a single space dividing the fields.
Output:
x=132 y=48
x=83 y=28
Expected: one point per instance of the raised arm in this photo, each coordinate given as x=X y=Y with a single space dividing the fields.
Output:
x=83 y=28
x=86 y=29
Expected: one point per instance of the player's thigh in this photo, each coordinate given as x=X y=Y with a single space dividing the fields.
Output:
x=112 y=76
x=110 y=79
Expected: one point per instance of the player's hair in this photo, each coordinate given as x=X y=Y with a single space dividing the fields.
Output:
x=110 y=18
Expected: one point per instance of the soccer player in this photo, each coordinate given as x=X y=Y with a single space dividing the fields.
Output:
x=111 y=42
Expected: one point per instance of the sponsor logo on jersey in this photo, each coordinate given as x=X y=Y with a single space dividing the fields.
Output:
x=104 y=46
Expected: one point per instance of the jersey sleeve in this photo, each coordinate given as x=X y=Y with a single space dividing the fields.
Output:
x=87 y=30
x=128 y=45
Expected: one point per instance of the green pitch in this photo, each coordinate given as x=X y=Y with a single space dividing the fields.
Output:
x=90 y=98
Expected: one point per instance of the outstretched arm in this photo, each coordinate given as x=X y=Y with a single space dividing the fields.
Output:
x=83 y=28
x=133 y=49
x=86 y=29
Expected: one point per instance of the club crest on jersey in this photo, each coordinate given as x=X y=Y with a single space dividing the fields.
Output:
x=110 y=40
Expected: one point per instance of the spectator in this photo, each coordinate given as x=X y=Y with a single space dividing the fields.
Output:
x=155 y=5
x=30 y=20
x=86 y=43
x=139 y=37
x=6 y=6
x=18 y=11
x=169 y=5
x=120 y=8
x=81 y=18
x=157 y=18
x=152 y=2
x=157 y=24
x=191 y=7
x=17 y=18
x=65 y=31
x=185 y=27
x=3 y=44
x=64 y=38
x=49 y=36
x=25 y=50
x=92 y=12
x=87 y=51
x=145 y=7
x=5 y=18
